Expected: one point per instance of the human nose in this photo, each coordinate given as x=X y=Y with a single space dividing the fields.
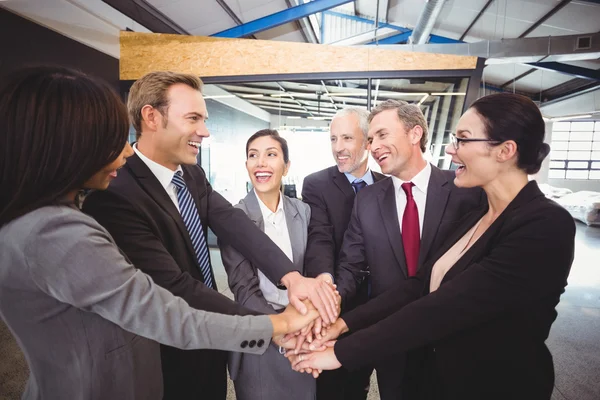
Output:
x=203 y=130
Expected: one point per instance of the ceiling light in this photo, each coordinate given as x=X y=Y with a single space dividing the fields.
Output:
x=220 y=96
x=293 y=117
x=571 y=117
x=247 y=96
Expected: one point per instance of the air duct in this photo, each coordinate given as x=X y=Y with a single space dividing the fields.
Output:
x=426 y=21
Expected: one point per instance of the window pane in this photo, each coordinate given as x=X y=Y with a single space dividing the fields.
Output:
x=578 y=164
x=596 y=164
x=577 y=174
x=579 y=155
x=597 y=129
x=596 y=145
x=557 y=164
x=558 y=155
x=556 y=174
x=579 y=136
x=582 y=126
x=595 y=155
x=580 y=145
x=560 y=145
x=594 y=174
x=561 y=126
x=560 y=136
x=597 y=134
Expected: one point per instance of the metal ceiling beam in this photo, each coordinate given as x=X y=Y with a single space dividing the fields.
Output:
x=577 y=72
x=476 y=19
x=395 y=39
x=231 y=14
x=279 y=18
x=545 y=17
x=145 y=14
x=304 y=27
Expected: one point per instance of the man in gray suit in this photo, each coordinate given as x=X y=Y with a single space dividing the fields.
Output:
x=397 y=222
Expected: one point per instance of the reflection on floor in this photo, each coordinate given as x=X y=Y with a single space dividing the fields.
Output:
x=575 y=337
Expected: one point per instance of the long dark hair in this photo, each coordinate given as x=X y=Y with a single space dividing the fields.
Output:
x=58 y=127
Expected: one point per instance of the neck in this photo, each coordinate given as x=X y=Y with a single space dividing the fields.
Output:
x=361 y=170
x=270 y=199
x=412 y=168
x=502 y=190
x=145 y=147
x=71 y=195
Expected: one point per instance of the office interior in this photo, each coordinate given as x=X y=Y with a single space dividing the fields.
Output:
x=546 y=50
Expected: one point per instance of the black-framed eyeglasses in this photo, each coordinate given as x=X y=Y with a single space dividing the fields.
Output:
x=455 y=141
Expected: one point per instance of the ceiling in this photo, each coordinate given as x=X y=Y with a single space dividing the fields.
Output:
x=98 y=22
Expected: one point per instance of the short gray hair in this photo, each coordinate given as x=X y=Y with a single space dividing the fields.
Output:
x=410 y=114
x=361 y=113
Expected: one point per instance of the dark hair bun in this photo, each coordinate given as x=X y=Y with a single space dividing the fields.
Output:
x=541 y=155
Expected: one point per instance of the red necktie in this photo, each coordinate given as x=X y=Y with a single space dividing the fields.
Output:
x=411 y=238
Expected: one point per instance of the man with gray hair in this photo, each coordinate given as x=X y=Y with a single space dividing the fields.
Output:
x=398 y=223
x=330 y=194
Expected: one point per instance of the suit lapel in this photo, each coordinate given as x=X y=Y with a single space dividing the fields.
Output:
x=155 y=190
x=296 y=231
x=342 y=183
x=438 y=192
x=253 y=210
x=377 y=176
x=389 y=214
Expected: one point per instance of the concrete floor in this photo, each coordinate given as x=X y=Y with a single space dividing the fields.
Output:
x=574 y=340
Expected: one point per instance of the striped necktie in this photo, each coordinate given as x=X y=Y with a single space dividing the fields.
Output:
x=192 y=222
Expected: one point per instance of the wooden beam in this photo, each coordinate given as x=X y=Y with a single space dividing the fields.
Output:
x=142 y=53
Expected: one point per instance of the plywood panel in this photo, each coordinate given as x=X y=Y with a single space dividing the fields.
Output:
x=207 y=56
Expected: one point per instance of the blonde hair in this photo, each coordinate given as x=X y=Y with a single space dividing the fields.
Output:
x=151 y=89
x=410 y=114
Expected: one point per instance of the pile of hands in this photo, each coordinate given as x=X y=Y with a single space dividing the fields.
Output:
x=314 y=323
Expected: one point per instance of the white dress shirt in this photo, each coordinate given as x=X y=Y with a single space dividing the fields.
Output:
x=419 y=191
x=276 y=229
x=163 y=174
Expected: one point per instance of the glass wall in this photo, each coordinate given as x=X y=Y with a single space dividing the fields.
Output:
x=301 y=110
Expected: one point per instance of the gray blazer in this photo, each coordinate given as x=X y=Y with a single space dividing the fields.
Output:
x=76 y=307
x=260 y=377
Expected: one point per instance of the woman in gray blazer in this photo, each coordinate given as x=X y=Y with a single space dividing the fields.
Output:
x=285 y=221
x=71 y=299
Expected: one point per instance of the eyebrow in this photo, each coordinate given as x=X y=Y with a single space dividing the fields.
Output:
x=197 y=114
x=461 y=131
x=268 y=148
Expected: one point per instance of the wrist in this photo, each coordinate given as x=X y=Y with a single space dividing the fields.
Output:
x=280 y=324
x=290 y=278
x=342 y=325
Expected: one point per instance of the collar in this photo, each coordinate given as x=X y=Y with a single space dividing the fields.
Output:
x=265 y=211
x=421 y=180
x=162 y=173
x=367 y=177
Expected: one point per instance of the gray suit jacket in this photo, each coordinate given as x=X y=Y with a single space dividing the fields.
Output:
x=76 y=307
x=243 y=276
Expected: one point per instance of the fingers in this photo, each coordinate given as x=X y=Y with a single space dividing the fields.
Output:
x=320 y=306
x=299 y=342
x=317 y=328
x=298 y=305
x=327 y=294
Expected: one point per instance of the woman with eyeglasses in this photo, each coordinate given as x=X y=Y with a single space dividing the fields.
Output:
x=71 y=299
x=479 y=312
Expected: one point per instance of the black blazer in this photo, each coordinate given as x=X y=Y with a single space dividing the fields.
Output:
x=330 y=197
x=486 y=324
x=373 y=236
x=147 y=226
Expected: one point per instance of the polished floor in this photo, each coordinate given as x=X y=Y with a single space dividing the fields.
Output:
x=574 y=340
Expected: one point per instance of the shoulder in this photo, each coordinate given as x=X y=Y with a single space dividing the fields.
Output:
x=376 y=187
x=320 y=177
x=300 y=205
